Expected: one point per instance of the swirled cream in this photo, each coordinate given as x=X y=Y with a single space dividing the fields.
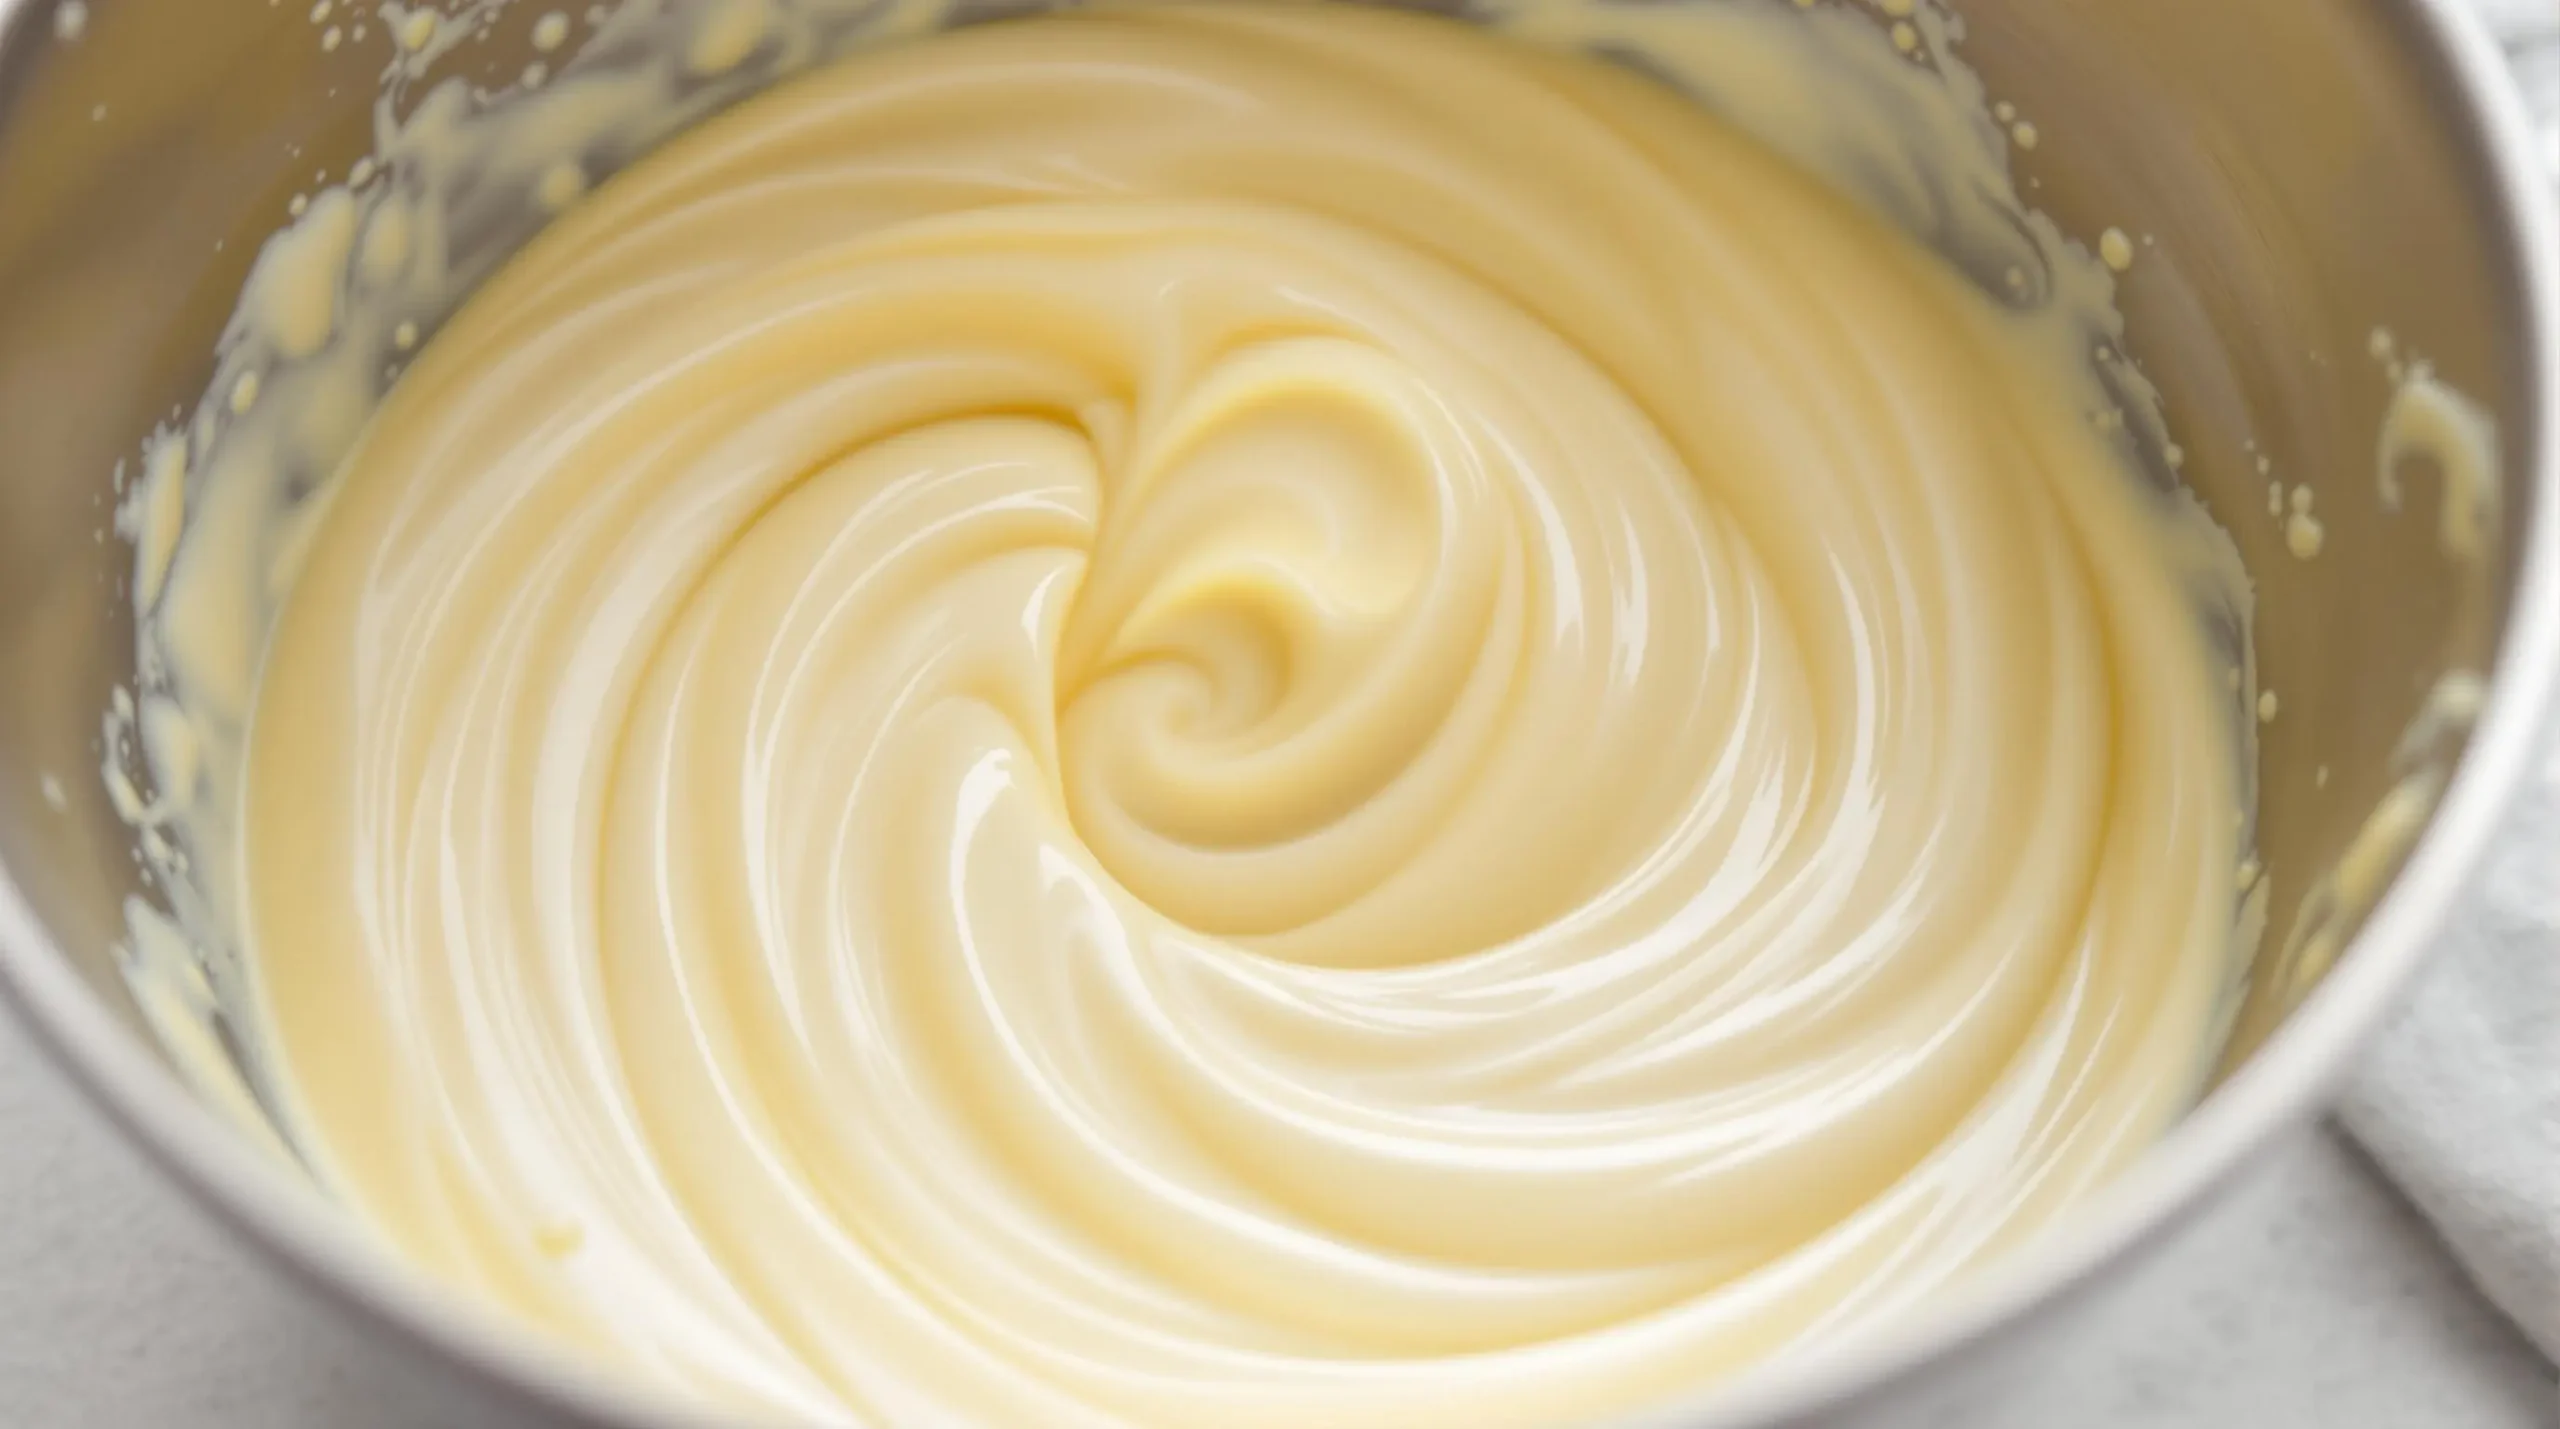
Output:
x=1224 y=716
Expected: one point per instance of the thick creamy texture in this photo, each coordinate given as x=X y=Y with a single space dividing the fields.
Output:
x=1243 y=717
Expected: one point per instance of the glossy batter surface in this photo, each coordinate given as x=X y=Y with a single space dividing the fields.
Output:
x=1261 y=717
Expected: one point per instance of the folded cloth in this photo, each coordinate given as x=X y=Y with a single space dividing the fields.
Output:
x=2460 y=1100
x=2518 y=20
x=2530 y=31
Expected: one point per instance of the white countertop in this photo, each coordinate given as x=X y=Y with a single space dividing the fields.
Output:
x=2310 y=1298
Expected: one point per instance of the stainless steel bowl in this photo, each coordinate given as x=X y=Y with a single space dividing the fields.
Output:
x=2309 y=169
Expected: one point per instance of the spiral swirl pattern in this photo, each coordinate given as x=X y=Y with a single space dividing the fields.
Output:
x=1242 y=717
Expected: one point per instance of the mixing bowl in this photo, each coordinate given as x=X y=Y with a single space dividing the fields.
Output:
x=2301 y=173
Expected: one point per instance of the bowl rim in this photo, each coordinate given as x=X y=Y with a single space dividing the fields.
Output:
x=2277 y=1091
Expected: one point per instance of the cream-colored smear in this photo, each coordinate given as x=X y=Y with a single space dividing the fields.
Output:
x=1260 y=717
x=2427 y=427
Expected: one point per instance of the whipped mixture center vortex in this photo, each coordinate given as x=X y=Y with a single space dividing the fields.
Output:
x=1243 y=717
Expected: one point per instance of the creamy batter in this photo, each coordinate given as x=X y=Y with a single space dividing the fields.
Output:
x=1226 y=716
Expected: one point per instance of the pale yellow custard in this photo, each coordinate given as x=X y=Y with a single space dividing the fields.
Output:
x=1233 y=717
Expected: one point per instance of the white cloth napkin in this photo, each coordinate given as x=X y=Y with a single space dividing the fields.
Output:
x=2460 y=1103
x=2516 y=20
